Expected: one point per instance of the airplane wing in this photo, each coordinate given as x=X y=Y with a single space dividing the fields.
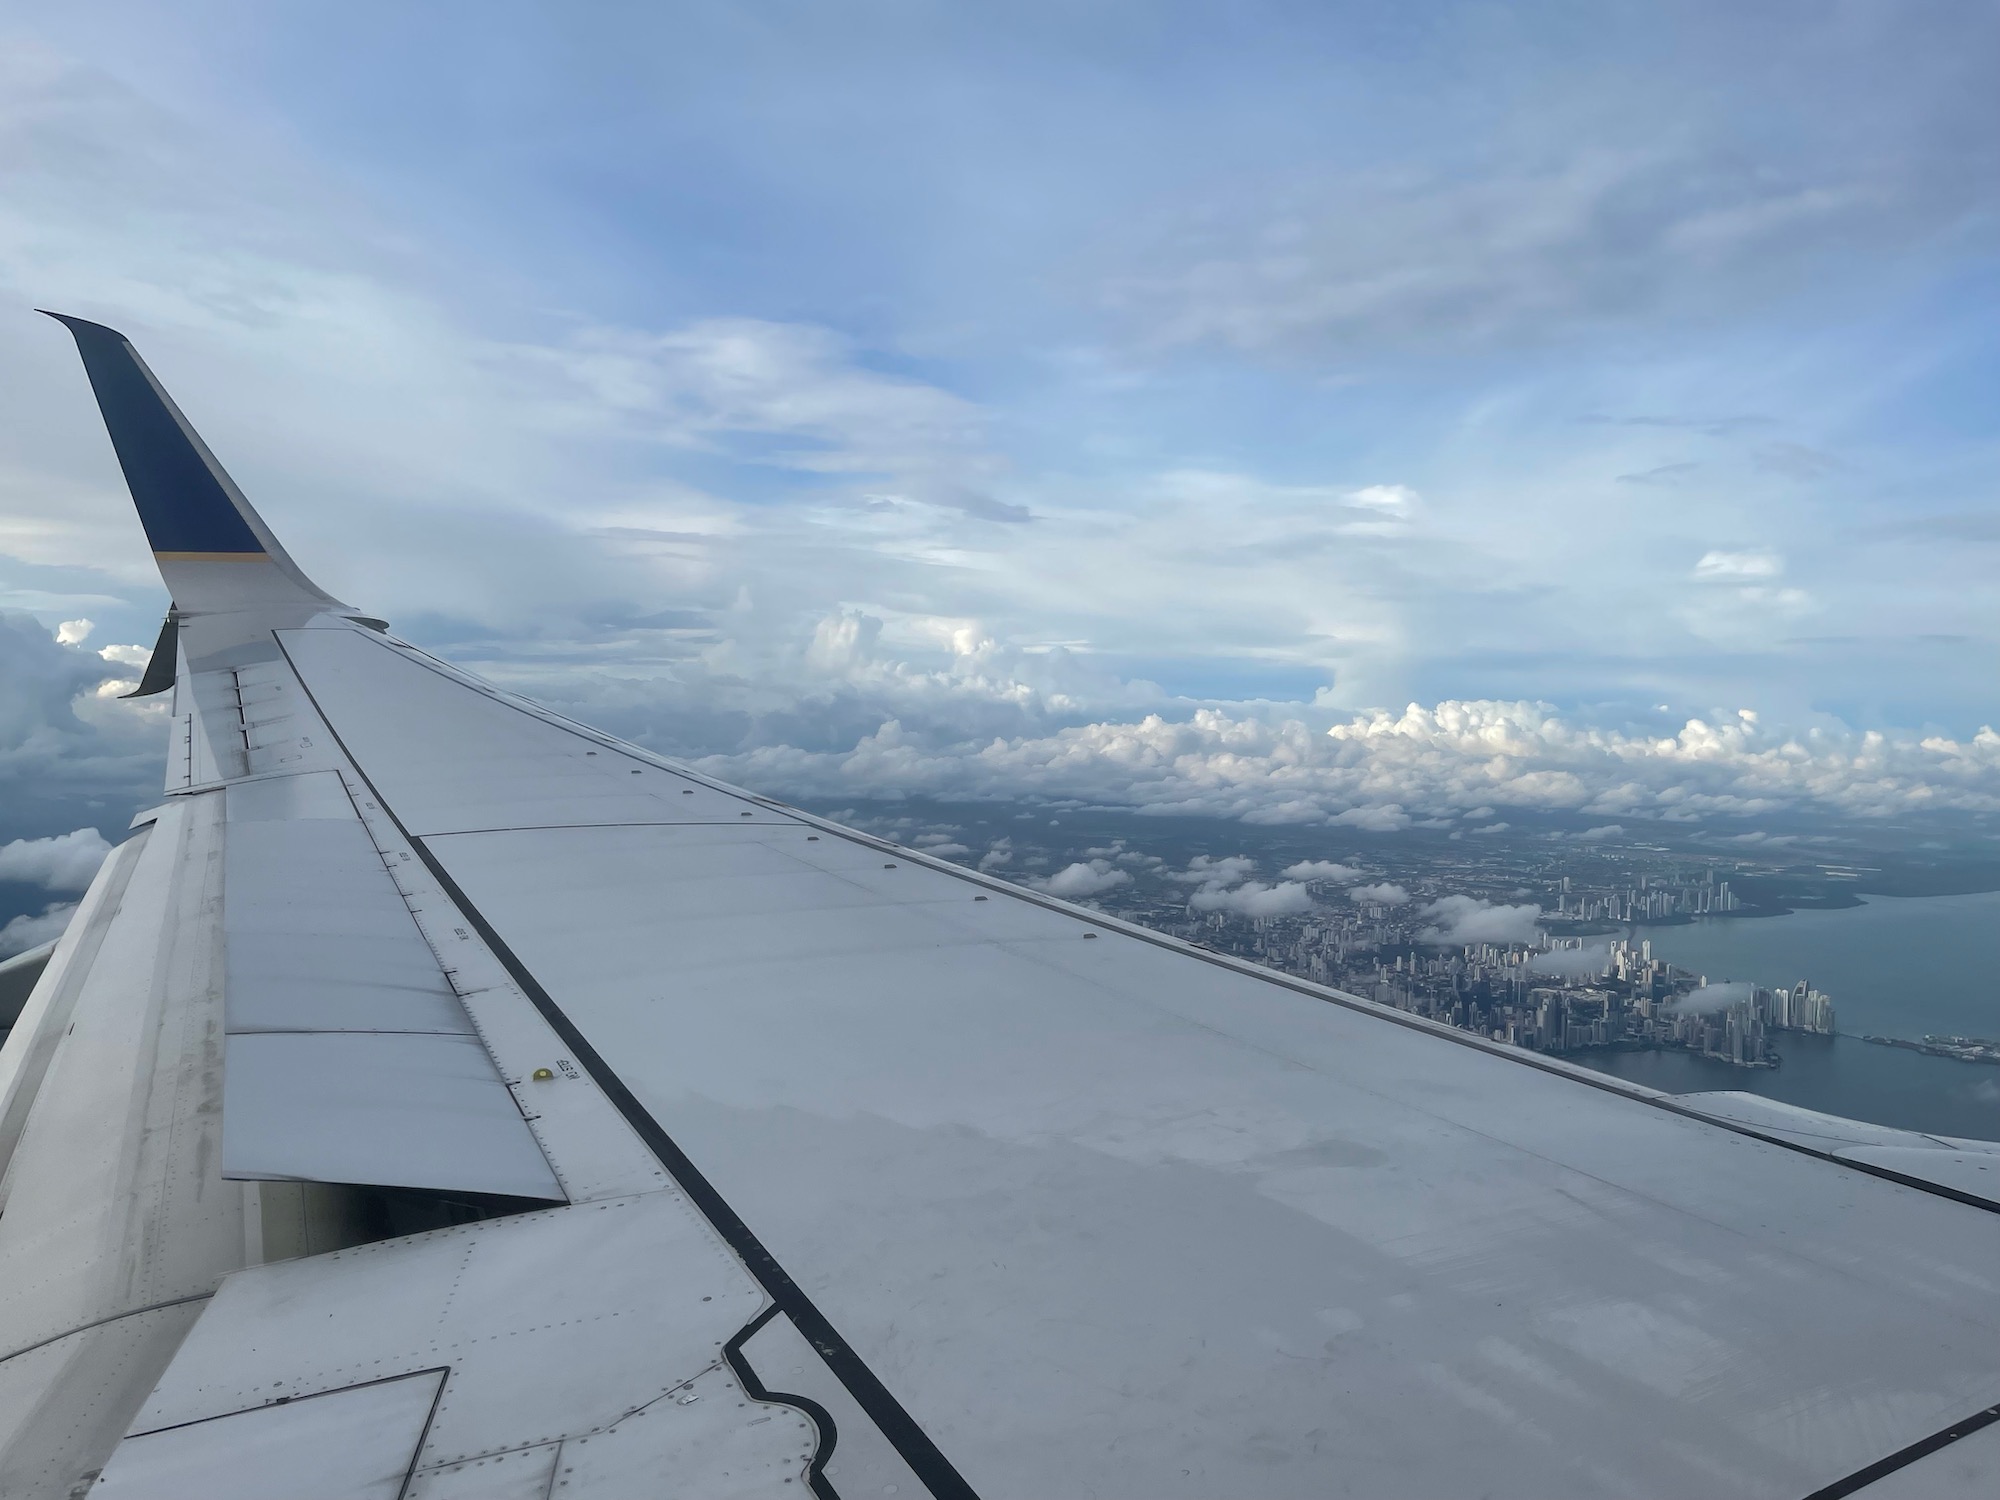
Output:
x=434 y=1097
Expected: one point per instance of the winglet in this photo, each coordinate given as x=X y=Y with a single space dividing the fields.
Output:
x=163 y=666
x=192 y=510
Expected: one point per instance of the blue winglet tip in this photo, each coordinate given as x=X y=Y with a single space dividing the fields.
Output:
x=181 y=495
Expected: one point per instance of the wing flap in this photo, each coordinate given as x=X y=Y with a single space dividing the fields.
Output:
x=356 y=1443
x=388 y=1110
x=318 y=936
x=350 y=1056
x=594 y=1333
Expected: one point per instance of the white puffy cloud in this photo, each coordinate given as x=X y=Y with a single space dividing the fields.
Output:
x=1084 y=878
x=1319 y=869
x=1601 y=832
x=1255 y=899
x=56 y=735
x=1469 y=919
x=74 y=632
x=1383 y=893
x=1368 y=770
x=63 y=863
x=25 y=932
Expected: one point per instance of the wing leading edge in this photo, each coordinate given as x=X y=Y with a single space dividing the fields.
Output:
x=866 y=1170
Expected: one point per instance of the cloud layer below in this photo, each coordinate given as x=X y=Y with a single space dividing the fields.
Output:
x=1451 y=763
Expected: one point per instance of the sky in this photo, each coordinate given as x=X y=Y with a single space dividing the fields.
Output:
x=1359 y=414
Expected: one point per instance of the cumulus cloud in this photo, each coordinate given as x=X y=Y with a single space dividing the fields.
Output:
x=25 y=932
x=63 y=863
x=1601 y=832
x=1255 y=899
x=1384 y=893
x=74 y=632
x=1319 y=869
x=1470 y=756
x=56 y=734
x=1469 y=919
x=1091 y=878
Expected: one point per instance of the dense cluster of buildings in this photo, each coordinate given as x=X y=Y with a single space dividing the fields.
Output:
x=1549 y=995
x=1647 y=902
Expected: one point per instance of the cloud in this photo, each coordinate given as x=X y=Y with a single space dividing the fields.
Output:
x=1796 y=461
x=1382 y=894
x=25 y=932
x=1388 y=818
x=1319 y=869
x=1394 y=499
x=1469 y=919
x=1738 y=567
x=795 y=392
x=1204 y=869
x=63 y=863
x=57 y=736
x=1710 y=998
x=1664 y=474
x=1491 y=828
x=1084 y=879
x=1255 y=899
x=1601 y=832
x=1368 y=769
x=1640 y=222
x=1572 y=963
x=846 y=548
x=74 y=632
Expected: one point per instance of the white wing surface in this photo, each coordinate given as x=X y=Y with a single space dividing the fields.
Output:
x=437 y=1098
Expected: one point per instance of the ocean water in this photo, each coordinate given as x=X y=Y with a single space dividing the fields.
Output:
x=1894 y=967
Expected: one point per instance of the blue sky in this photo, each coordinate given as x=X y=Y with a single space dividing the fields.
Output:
x=754 y=377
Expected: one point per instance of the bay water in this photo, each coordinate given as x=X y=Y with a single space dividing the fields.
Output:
x=1895 y=966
